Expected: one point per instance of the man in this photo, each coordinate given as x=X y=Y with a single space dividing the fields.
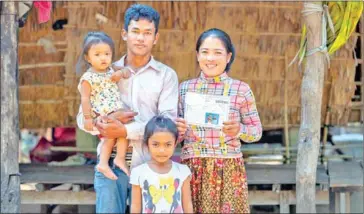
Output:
x=151 y=90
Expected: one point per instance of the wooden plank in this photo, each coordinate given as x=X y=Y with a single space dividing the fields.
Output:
x=88 y=197
x=347 y=202
x=362 y=65
x=58 y=197
x=284 y=202
x=347 y=189
x=257 y=174
x=258 y=197
x=332 y=202
x=272 y=174
x=40 y=173
x=345 y=174
x=42 y=65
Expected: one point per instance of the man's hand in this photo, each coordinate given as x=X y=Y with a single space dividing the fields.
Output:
x=110 y=127
x=231 y=128
x=181 y=126
x=124 y=116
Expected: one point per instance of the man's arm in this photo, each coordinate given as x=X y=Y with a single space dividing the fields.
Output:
x=168 y=100
x=167 y=106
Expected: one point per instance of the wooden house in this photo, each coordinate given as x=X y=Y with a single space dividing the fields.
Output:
x=266 y=36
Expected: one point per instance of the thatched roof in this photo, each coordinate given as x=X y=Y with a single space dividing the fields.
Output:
x=266 y=37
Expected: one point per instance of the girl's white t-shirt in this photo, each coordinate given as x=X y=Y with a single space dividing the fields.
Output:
x=161 y=193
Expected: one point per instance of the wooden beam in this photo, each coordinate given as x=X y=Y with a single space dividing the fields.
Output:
x=88 y=197
x=345 y=174
x=35 y=44
x=279 y=174
x=10 y=182
x=257 y=174
x=58 y=197
x=42 y=65
x=361 y=27
x=284 y=202
x=39 y=173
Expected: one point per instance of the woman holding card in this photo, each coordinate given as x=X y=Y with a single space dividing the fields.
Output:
x=219 y=181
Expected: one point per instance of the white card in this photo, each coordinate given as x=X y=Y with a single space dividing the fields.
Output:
x=206 y=110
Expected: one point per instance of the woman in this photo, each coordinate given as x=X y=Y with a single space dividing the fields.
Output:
x=219 y=181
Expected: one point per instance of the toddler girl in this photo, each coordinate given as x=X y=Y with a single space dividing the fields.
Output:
x=100 y=95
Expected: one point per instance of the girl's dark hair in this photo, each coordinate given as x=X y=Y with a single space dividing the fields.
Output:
x=224 y=38
x=159 y=124
x=92 y=38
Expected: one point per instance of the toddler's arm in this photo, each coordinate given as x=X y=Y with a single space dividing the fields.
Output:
x=120 y=73
x=86 y=104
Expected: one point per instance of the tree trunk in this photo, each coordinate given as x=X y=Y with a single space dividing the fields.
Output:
x=10 y=180
x=309 y=133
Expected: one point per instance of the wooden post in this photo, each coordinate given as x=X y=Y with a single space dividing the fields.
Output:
x=311 y=99
x=362 y=67
x=10 y=181
x=327 y=121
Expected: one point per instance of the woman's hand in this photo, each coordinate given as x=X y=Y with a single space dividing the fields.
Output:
x=110 y=127
x=181 y=126
x=231 y=128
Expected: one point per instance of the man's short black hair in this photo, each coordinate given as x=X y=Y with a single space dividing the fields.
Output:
x=141 y=11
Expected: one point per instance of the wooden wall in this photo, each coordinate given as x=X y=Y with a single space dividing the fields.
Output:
x=265 y=34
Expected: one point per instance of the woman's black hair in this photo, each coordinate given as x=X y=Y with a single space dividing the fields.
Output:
x=225 y=39
x=159 y=123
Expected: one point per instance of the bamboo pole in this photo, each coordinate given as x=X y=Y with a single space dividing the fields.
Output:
x=327 y=122
x=286 y=128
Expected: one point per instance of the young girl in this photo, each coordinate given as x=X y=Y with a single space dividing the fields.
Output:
x=161 y=185
x=100 y=95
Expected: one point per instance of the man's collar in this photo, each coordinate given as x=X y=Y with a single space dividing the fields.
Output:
x=152 y=63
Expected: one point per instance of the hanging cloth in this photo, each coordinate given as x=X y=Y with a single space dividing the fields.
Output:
x=44 y=9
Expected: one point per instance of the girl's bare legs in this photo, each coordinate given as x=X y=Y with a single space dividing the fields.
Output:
x=121 y=150
x=103 y=165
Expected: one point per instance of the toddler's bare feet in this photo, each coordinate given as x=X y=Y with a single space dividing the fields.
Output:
x=121 y=163
x=106 y=170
